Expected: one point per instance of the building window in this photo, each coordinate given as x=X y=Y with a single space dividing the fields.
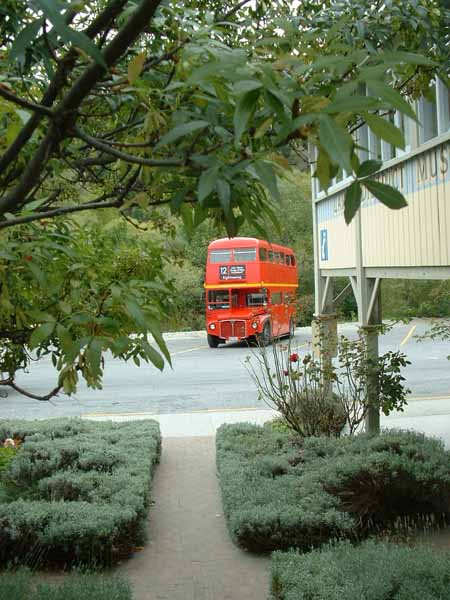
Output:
x=443 y=107
x=427 y=114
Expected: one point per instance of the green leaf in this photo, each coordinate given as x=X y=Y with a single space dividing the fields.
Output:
x=77 y=38
x=24 y=39
x=94 y=356
x=207 y=183
x=135 y=67
x=263 y=128
x=155 y=330
x=409 y=58
x=42 y=333
x=337 y=141
x=386 y=194
x=224 y=193
x=369 y=167
x=242 y=87
x=385 y=130
x=352 y=104
x=244 y=109
x=352 y=201
x=181 y=131
x=37 y=272
x=391 y=97
x=323 y=173
x=70 y=347
x=135 y=312
x=154 y=357
x=266 y=175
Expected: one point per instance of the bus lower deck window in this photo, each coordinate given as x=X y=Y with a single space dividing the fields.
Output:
x=256 y=299
x=218 y=299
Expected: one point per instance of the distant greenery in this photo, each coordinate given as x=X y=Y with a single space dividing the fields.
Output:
x=76 y=491
x=400 y=298
x=281 y=491
x=371 y=571
x=412 y=298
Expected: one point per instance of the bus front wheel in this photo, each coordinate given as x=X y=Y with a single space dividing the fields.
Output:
x=213 y=341
x=266 y=335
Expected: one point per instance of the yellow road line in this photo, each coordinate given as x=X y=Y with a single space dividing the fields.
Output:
x=408 y=335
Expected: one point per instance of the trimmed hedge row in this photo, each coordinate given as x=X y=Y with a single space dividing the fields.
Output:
x=281 y=491
x=372 y=571
x=19 y=586
x=76 y=491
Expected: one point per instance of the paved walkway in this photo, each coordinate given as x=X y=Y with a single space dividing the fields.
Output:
x=189 y=554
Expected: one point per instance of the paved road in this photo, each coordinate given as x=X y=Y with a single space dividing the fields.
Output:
x=203 y=379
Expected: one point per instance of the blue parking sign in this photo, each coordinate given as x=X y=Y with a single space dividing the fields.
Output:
x=324 y=244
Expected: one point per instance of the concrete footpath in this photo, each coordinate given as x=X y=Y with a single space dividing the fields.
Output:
x=189 y=554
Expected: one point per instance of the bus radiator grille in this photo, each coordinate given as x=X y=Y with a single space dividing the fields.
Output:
x=232 y=329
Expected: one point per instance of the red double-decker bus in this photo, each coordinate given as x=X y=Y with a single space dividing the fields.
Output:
x=250 y=290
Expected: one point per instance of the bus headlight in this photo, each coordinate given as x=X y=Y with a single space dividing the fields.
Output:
x=212 y=326
x=255 y=325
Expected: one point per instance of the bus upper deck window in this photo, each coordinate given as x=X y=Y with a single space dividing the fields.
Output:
x=262 y=254
x=293 y=261
x=220 y=256
x=271 y=256
x=244 y=254
x=288 y=259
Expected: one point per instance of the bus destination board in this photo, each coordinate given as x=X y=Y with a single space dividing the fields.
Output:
x=231 y=272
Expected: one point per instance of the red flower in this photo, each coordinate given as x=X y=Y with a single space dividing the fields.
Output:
x=293 y=357
x=29 y=257
x=285 y=372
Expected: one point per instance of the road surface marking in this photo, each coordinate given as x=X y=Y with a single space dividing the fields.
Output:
x=188 y=350
x=408 y=335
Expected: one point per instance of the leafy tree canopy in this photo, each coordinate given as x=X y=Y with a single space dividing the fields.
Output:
x=118 y=103
x=132 y=105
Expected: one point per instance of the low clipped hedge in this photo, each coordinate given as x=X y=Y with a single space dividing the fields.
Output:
x=76 y=491
x=281 y=491
x=371 y=571
x=20 y=586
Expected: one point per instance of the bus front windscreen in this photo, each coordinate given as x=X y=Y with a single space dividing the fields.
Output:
x=218 y=299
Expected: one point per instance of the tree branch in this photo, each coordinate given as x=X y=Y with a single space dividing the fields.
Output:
x=37 y=108
x=130 y=158
x=45 y=398
x=57 y=212
x=65 y=116
x=66 y=64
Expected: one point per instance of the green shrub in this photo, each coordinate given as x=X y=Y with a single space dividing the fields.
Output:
x=77 y=491
x=279 y=491
x=371 y=571
x=19 y=586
